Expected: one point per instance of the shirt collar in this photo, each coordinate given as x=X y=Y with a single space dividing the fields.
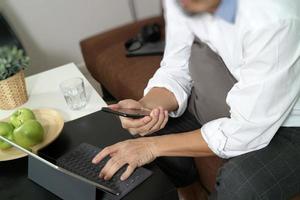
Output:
x=227 y=10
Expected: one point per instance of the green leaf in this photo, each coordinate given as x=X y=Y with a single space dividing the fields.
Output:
x=12 y=60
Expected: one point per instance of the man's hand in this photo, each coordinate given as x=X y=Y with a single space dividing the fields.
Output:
x=135 y=153
x=147 y=125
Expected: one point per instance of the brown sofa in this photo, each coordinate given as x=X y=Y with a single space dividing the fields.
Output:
x=123 y=77
x=126 y=78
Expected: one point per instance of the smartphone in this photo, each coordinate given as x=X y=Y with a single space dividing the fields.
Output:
x=127 y=112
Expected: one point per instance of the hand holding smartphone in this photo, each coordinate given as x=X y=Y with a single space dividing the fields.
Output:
x=127 y=112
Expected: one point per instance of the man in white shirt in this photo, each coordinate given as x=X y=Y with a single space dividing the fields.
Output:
x=241 y=82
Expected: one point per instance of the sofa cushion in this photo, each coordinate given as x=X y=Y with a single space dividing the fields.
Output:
x=124 y=77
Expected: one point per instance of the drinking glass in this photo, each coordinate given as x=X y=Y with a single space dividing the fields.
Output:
x=74 y=93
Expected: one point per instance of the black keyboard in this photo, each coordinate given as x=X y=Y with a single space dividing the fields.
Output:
x=79 y=161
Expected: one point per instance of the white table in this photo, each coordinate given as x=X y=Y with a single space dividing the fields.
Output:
x=44 y=92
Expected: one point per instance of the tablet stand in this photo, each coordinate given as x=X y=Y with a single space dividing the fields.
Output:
x=60 y=184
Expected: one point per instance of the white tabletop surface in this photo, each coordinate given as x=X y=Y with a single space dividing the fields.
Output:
x=44 y=92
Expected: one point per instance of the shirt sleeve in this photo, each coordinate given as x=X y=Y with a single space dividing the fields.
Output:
x=173 y=73
x=267 y=89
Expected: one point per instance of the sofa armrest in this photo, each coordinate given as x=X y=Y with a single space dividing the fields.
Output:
x=91 y=47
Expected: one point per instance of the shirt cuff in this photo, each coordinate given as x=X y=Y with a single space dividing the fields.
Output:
x=174 y=87
x=214 y=137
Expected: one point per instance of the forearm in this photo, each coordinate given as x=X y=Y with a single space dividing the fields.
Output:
x=160 y=97
x=190 y=144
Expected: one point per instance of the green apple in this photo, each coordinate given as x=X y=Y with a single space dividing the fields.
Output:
x=6 y=130
x=4 y=145
x=20 y=116
x=30 y=133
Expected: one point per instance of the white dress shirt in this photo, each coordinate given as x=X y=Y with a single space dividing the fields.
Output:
x=261 y=49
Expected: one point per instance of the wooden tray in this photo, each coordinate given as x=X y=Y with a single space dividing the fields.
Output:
x=51 y=120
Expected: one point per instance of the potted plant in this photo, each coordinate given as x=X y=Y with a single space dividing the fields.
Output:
x=13 y=91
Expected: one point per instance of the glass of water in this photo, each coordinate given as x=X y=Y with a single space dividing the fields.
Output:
x=74 y=93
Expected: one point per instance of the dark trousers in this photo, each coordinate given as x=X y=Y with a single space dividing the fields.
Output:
x=270 y=173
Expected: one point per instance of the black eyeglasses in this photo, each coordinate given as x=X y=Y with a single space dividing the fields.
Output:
x=148 y=33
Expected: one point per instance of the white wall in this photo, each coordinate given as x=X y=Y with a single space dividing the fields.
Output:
x=51 y=30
